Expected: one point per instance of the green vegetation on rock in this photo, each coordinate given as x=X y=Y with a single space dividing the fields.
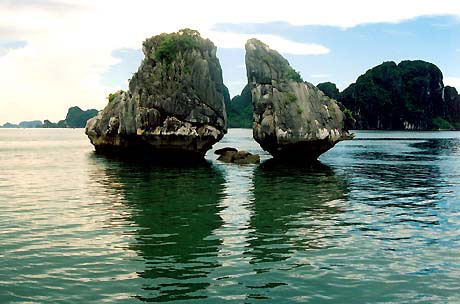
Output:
x=111 y=97
x=294 y=75
x=173 y=43
x=290 y=97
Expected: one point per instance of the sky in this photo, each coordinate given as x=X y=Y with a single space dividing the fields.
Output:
x=55 y=54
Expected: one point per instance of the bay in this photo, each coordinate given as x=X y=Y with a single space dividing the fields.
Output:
x=376 y=220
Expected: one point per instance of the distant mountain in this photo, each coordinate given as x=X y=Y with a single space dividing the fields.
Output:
x=239 y=110
x=30 y=124
x=75 y=118
x=9 y=125
x=49 y=124
x=24 y=124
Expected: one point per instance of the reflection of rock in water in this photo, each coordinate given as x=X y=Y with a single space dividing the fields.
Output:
x=175 y=211
x=292 y=206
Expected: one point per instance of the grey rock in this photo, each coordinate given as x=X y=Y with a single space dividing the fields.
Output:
x=174 y=105
x=293 y=120
x=227 y=157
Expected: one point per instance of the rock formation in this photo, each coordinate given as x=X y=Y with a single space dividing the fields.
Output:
x=293 y=119
x=232 y=155
x=174 y=105
x=405 y=96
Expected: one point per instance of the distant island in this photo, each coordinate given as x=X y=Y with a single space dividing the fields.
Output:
x=75 y=118
x=405 y=96
x=239 y=109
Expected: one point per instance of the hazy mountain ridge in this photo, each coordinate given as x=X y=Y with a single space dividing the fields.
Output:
x=75 y=118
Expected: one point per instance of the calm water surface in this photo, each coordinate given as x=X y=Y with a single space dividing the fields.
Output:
x=378 y=220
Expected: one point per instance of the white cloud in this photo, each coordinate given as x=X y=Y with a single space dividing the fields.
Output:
x=69 y=42
x=235 y=40
x=453 y=82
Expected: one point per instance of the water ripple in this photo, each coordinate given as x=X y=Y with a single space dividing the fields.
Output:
x=376 y=220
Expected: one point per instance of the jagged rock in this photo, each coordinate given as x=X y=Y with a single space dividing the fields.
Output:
x=232 y=155
x=174 y=105
x=292 y=119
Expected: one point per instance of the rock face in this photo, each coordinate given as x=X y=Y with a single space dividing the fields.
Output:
x=293 y=119
x=405 y=96
x=174 y=105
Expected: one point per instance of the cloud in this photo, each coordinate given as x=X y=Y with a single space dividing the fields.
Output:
x=8 y=46
x=236 y=40
x=70 y=42
x=453 y=82
x=51 y=5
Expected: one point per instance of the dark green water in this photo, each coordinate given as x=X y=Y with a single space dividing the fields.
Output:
x=377 y=221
